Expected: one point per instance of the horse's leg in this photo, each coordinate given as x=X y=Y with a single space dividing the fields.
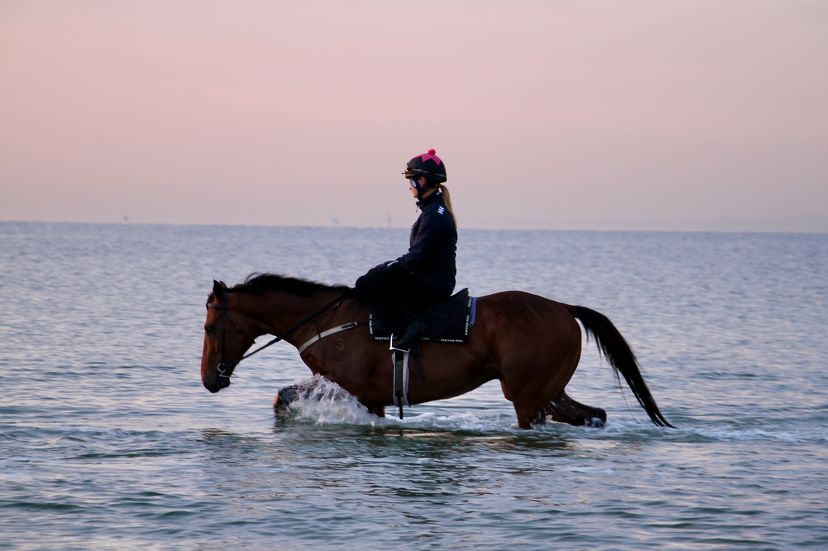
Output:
x=506 y=393
x=282 y=401
x=531 y=394
x=566 y=410
x=535 y=368
x=531 y=390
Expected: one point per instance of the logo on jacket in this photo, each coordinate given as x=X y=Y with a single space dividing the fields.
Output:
x=441 y=209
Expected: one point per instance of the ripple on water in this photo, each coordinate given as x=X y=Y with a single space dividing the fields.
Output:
x=109 y=441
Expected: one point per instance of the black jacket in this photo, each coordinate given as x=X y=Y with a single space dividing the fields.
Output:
x=432 y=246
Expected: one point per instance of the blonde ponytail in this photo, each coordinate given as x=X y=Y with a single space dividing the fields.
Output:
x=447 y=200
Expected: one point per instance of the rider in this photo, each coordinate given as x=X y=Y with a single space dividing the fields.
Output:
x=425 y=275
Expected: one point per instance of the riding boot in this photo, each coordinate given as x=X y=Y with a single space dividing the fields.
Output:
x=409 y=336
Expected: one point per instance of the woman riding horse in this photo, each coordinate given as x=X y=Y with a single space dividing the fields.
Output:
x=425 y=275
x=529 y=343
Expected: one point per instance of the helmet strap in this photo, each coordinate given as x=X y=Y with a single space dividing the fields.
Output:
x=426 y=189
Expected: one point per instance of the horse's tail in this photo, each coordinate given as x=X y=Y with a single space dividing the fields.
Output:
x=620 y=356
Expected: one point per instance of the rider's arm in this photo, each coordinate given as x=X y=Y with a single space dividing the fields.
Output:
x=423 y=245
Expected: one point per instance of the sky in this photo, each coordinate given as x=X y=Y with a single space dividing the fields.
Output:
x=559 y=114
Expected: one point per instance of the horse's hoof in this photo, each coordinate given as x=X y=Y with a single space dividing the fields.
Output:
x=595 y=422
x=280 y=407
x=281 y=403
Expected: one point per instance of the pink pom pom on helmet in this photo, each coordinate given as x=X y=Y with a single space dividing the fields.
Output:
x=429 y=165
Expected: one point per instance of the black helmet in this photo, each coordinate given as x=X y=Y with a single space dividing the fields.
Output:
x=428 y=165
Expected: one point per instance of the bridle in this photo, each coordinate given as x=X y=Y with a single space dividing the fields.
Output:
x=225 y=369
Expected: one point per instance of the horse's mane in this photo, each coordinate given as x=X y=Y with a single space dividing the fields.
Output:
x=257 y=284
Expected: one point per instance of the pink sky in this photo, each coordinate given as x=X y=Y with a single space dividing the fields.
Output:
x=565 y=114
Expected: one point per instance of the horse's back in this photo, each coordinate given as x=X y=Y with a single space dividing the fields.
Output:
x=525 y=317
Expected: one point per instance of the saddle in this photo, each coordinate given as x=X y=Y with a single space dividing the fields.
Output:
x=448 y=321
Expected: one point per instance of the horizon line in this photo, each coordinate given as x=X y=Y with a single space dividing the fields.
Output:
x=794 y=231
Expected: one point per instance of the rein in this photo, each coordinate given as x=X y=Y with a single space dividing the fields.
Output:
x=223 y=367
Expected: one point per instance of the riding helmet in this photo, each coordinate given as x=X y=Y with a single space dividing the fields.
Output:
x=428 y=165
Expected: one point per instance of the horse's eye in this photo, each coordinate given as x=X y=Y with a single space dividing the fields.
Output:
x=209 y=329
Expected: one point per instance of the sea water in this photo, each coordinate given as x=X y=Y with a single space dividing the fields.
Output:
x=109 y=441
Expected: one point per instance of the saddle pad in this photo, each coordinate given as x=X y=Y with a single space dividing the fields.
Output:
x=448 y=321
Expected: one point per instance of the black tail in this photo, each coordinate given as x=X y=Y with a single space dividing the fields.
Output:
x=620 y=356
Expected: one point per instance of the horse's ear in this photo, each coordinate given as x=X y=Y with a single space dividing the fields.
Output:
x=218 y=288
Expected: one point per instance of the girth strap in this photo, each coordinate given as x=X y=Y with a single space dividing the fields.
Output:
x=328 y=332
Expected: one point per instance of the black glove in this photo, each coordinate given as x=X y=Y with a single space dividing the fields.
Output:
x=391 y=266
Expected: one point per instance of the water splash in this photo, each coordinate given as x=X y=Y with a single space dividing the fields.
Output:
x=324 y=402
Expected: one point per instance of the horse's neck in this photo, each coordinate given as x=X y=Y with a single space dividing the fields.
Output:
x=278 y=312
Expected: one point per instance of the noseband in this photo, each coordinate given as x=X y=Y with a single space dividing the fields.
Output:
x=222 y=367
x=225 y=369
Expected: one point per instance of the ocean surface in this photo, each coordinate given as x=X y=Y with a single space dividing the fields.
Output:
x=109 y=441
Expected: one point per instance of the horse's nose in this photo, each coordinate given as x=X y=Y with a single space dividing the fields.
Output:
x=217 y=384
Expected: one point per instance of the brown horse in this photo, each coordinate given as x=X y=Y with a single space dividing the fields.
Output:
x=529 y=343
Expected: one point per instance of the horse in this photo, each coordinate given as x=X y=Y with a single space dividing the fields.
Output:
x=529 y=343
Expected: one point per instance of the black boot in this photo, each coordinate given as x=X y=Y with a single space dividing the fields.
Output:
x=414 y=330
